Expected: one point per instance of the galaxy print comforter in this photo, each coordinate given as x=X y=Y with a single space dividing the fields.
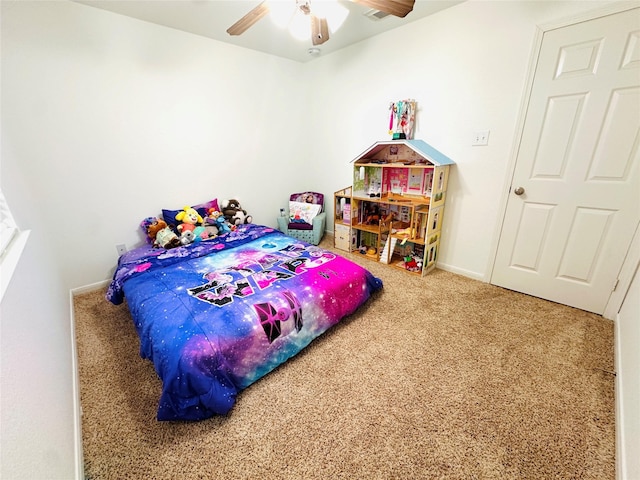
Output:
x=216 y=316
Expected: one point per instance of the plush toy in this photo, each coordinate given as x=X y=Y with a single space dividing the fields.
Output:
x=217 y=218
x=234 y=213
x=161 y=234
x=210 y=225
x=210 y=232
x=190 y=219
x=187 y=237
x=411 y=264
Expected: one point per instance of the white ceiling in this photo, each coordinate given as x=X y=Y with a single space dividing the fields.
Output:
x=211 y=18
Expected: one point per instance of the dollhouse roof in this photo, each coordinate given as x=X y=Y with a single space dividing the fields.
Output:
x=421 y=147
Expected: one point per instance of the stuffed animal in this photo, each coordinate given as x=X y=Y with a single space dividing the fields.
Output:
x=210 y=225
x=190 y=219
x=234 y=213
x=187 y=237
x=161 y=234
x=217 y=218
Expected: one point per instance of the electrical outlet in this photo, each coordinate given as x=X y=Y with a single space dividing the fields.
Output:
x=121 y=248
x=480 y=138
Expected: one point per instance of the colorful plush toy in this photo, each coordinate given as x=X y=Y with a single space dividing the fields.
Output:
x=217 y=218
x=234 y=213
x=190 y=219
x=160 y=233
x=210 y=225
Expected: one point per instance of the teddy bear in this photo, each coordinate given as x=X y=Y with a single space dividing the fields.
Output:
x=161 y=234
x=234 y=213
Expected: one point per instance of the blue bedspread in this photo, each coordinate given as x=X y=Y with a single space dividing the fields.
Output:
x=216 y=316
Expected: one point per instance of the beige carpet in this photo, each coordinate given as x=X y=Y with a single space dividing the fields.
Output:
x=436 y=377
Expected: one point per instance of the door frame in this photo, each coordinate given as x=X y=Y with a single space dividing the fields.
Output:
x=632 y=259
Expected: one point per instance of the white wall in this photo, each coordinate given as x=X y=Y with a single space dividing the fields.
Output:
x=107 y=119
x=37 y=410
x=114 y=119
x=467 y=67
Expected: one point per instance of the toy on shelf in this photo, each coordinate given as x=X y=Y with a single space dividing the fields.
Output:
x=402 y=119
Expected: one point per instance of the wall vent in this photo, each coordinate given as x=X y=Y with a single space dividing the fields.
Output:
x=375 y=14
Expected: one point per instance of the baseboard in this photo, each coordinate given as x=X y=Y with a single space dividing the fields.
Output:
x=77 y=407
x=461 y=271
x=89 y=288
x=620 y=454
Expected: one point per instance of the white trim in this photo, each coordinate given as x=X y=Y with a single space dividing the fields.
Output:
x=511 y=167
x=630 y=264
x=600 y=12
x=620 y=453
x=77 y=406
x=10 y=259
x=461 y=271
x=92 y=287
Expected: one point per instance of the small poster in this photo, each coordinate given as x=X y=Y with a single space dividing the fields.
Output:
x=415 y=184
x=346 y=213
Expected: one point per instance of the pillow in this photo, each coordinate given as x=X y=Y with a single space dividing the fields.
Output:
x=300 y=212
x=169 y=216
x=317 y=198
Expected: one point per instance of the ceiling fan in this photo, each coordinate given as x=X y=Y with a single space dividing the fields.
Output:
x=319 y=27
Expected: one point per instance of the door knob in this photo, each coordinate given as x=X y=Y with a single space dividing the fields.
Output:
x=519 y=191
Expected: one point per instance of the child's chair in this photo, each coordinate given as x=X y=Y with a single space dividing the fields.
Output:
x=305 y=219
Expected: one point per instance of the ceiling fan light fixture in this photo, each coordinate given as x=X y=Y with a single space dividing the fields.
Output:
x=335 y=13
x=281 y=13
x=300 y=26
x=376 y=14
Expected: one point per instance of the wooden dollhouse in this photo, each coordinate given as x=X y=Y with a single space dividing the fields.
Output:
x=393 y=212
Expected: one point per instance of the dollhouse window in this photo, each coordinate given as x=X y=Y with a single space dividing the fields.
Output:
x=441 y=181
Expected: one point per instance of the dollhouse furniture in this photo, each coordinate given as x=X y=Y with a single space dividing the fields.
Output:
x=342 y=238
x=393 y=212
x=305 y=219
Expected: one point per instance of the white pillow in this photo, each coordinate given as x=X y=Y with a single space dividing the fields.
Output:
x=300 y=212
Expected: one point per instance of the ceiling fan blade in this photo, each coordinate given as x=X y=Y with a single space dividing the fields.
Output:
x=319 y=30
x=249 y=19
x=399 y=8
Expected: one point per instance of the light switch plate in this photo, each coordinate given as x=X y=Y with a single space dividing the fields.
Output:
x=480 y=138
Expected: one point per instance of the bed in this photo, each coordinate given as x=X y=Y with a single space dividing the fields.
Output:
x=217 y=315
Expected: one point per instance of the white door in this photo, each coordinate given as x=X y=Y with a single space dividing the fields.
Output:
x=574 y=201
